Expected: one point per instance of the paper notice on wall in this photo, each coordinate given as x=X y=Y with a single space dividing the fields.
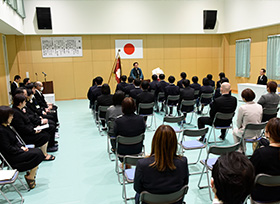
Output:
x=61 y=46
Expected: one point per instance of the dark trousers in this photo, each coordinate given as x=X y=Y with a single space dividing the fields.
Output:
x=202 y=121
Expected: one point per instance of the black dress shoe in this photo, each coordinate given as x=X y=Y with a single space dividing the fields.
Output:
x=222 y=137
x=52 y=149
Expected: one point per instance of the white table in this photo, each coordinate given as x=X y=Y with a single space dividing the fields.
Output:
x=50 y=98
x=258 y=89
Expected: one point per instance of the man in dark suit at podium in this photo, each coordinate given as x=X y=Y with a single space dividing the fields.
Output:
x=262 y=79
x=15 y=84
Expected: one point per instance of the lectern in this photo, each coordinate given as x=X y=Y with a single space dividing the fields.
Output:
x=48 y=87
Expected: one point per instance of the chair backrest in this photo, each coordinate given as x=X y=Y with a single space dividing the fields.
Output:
x=4 y=162
x=145 y=105
x=188 y=102
x=195 y=133
x=196 y=92
x=161 y=95
x=219 y=150
x=176 y=119
x=152 y=91
x=267 y=180
x=130 y=140
x=132 y=160
x=102 y=108
x=150 y=198
x=173 y=97
x=270 y=111
x=252 y=126
x=206 y=95
x=223 y=116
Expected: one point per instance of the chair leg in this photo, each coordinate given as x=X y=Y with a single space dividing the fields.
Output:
x=22 y=199
x=208 y=181
x=26 y=188
x=5 y=197
x=199 y=182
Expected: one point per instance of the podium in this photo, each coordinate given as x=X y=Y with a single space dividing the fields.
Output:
x=48 y=92
x=258 y=89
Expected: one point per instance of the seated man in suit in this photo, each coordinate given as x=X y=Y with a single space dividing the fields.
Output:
x=89 y=94
x=262 y=79
x=129 y=85
x=206 y=88
x=145 y=97
x=105 y=99
x=221 y=75
x=211 y=82
x=137 y=90
x=186 y=93
x=160 y=89
x=218 y=90
x=224 y=104
x=121 y=86
x=15 y=84
x=26 y=81
x=171 y=90
x=153 y=84
x=183 y=76
x=196 y=86
x=96 y=91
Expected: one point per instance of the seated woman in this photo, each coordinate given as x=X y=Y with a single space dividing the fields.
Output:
x=105 y=99
x=164 y=171
x=269 y=100
x=129 y=125
x=206 y=88
x=195 y=85
x=186 y=93
x=266 y=161
x=250 y=112
x=15 y=152
x=25 y=128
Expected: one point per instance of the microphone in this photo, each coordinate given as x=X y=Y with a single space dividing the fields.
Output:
x=36 y=74
x=44 y=73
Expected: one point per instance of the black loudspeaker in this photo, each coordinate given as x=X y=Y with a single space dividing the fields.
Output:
x=209 y=19
x=44 y=19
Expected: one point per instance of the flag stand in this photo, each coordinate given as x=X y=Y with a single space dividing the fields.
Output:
x=112 y=70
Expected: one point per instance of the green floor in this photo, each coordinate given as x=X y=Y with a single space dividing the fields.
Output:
x=82 y=172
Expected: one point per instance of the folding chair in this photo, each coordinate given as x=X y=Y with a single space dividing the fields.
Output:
x=147 y=106
x=269 y=181
x=188 y=103
x=128 y=174
x=220 y=116
x=208 y=163
x=146 y=197
x=269 y=113
x=121 y=140
x=193 y=144
x=99 y=124
x=196 y=93
x=110 y=125
x=178 y=120
x=254 y=127
x=171 y=98
x=205 y=96
x=160 y=99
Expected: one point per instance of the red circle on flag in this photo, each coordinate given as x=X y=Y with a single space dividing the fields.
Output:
x=129 y=49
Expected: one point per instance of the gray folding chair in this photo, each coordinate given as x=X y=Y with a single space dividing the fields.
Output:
x=188 y=103
x=193 y=144
x=160 y=99
x=171 y=98
x=220 y=116
x=128 y=174
x=208 y=163
x=205 y=96
x=146 y=197
x=99 y=124
x=196 y=93
x=121 y=140
x=253 y=127
x=268 y=181
x=94 y=112
x=110 y=126
x=178 y=120
x=269 y=113
x=147 y=106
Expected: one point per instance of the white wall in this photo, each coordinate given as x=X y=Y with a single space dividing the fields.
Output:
x=124 y=16
x=10 y=21
x=248 y=14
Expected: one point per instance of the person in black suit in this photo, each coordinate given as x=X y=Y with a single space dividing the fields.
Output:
x=26 y=81
x=221 y=75
x=97 y=91
x=121 y=86
x=171 y=90
x=145 y=97
x=129 y=85
x=262 y=79
x=187 y=93
x=211 y=82
x=25 y=128
x=14 y=150
x=224 y=104
x=164 y=171
x=137 y=90
x=105 y=99
x=129 y=125
x=183 y=76
x=89 y=94
x=15 y=84
x=195 y=85
x=206 y=88
x=160 y=89
x=153 y=84
x=218 y=90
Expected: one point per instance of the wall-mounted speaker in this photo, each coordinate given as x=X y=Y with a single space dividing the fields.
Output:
x=44 y=19
x=209 y=19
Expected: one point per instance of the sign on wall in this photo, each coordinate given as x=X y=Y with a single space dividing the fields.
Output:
x=129 y=49
x=62 y=46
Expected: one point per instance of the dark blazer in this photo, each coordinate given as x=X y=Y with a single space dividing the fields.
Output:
x=34 y=106
x=262 y=80
x=128 y=88
x=13 y=88
x=161 y=87
x=206 y=89
x=94 y=94
x=212 y=83
x=180 y=83
x=172 y=90
x=41 y=99
x=104 y=100
x=217 y=92
x=150 y=179
x=196 y=86
x=134 y=92
x=89 y=95
x=145 y=97
x=153 y=85
x=186 y=94
x=129 y=125
x=224 y=104
x=33 y=116
x=218 y=84
x=121 y=86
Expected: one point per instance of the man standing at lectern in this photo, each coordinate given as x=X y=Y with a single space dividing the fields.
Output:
x=262 y=79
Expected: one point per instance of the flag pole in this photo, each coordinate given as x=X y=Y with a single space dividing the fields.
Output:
x=112 y=70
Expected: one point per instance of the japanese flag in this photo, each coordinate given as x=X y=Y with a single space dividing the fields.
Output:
x=129 y=49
